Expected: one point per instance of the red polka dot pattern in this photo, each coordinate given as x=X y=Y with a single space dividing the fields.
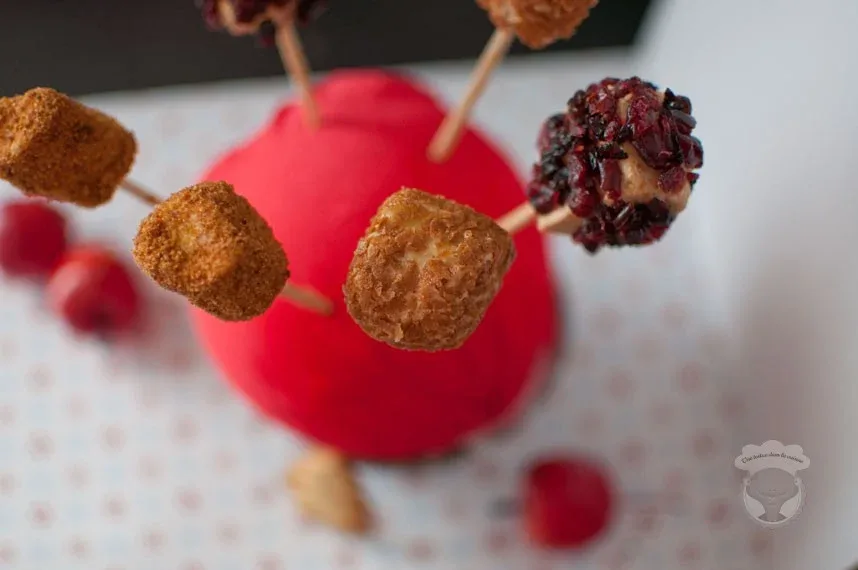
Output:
x=115 y=454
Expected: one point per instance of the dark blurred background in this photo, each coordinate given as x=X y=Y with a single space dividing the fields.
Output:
x=89 y=46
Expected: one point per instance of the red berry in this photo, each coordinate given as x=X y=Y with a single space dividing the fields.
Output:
x=568 y=502
x=32 y=238
x=93 y=291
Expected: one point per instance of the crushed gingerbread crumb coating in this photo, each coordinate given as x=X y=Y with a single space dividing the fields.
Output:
x=538 y=23
x=208 y=244
x=426 y=271
x=57 y=148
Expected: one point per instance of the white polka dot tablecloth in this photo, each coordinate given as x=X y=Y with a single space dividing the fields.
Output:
x=136 y=456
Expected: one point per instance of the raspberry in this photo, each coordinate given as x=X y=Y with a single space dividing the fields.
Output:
x=32 y=238
x=568 y=502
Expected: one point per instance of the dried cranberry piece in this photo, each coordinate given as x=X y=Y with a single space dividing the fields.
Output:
x=549 y=130
x=583 y=202
x=636 y=236
x=684 y=123
x=578 y=171
x=593 y=161
x=622 y=89
x=611 y=179
x=692 y=178
x=621 y=220
x=624 y=225
x=247 y=11
x=596 y=125
x=210 y=13
x=658 y=212
x=643 y=113
x=652 y=137
x=668 y=128
x=266 y=36
x=550 y=165
x=657 y=231
x=677 y=102
x=308 y=10
x=673 y=180
x=610 y=150
x=576 y=131
x=692 y=151
x=541 y=197
x=652 y=149
x=624 y=133
x=612 y=129
x=591 y=245
x=552 y=160
x=658 y=146
x=590 y=235
x=560 y=185
x=578 y=101
x=603 y=104
x=609 y=82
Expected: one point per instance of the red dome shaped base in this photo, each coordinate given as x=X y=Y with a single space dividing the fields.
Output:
x=323 y=376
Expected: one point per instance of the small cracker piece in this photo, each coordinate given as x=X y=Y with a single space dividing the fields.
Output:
x=325 y=489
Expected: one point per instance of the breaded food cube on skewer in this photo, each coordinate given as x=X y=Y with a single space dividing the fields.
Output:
x=538 y=23
x=618 y=166
x=211 y=246
x=273 y=20
x=244 y=17
x=426 y=271
x=54 y=147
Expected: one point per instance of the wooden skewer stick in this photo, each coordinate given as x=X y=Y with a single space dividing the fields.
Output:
x=560 y=221
x=450 y=131
x=303 y=297
x=295 y=62
x=307 y=298
x=517 y=219
x=288 y=45
x=139 y=192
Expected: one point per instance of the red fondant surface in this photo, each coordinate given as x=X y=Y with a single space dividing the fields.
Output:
x=322 y=375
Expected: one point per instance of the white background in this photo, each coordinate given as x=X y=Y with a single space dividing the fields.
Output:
x=774 y=85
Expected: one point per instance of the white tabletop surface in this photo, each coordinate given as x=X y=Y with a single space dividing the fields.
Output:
x=774 y=84
x=138 y=457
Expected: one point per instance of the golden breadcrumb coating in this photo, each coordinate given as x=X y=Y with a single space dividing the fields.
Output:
x=208 y=244
x=426 y=271
x=55 y=147
x=538 y=23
